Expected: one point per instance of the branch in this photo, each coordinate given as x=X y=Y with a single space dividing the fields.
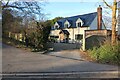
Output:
x=10 y=6
x=107 y=4
x=118 y=8
x=7 y=2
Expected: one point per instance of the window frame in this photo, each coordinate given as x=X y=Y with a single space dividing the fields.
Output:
x=56 y=26
x=79 y=24
x=67 y=23
x=66 y=26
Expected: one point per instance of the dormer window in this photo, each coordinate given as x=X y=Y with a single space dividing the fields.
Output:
x=79 y=24
x=56 y=26
x=66 y=24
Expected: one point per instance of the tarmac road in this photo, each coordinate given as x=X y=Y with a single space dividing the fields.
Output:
x=20 y=61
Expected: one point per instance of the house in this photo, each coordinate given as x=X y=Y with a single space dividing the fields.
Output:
x=71 y=29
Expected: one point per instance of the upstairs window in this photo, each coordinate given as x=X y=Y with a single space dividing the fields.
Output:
x=79 y=24
x=66 y=25
x=56 y=27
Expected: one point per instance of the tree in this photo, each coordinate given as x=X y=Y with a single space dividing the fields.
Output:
x=119 y=20
x=34 y=29
x=25 y=9
x=10 y=22
x=38 y=35
x=114 y=19
x=24 y=6
x=55 y=19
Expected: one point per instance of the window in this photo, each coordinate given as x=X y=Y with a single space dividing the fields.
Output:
x=66 y=25
x=79 y=24
x=78 y=36
x=56 y=27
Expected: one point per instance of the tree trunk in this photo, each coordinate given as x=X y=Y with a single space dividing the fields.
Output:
x=114 y=21
x=118 y=19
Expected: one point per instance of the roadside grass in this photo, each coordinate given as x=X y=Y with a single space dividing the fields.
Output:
x=13 y=42
x=106 y=53
x=22 y=45
x=16 y=43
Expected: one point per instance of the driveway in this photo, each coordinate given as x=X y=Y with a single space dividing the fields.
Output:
x=18 y=60
x=68 y=54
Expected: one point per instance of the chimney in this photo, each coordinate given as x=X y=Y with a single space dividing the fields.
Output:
x=99 y=17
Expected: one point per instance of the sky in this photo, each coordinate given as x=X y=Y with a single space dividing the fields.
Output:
x=67 y=8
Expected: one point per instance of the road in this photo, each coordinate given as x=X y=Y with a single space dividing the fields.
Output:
x=19 y=60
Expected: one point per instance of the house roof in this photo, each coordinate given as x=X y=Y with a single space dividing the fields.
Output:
x=86 y=18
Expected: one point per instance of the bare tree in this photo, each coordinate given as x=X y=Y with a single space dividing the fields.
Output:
x=25 y=8
x=114 y=9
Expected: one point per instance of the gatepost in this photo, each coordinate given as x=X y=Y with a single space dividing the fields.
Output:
x=83 y=44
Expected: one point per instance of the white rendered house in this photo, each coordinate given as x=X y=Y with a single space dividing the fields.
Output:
x=71 y=29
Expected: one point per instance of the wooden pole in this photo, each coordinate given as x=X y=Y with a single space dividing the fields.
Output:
x=83 y=44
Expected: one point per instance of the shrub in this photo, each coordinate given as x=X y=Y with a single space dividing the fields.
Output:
x=106 y=53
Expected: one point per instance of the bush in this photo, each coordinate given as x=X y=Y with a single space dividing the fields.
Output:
x=106 y=53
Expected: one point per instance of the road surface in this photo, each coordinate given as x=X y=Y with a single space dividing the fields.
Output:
x=19 y=60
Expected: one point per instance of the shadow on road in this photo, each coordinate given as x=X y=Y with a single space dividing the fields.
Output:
x=65 y=57
x=64 y=46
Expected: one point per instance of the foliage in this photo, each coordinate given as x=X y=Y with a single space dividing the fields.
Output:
x=18 y=15
x=22 y=17
x=38 y=36
x=55 y=19
x=26 y=8
x=10 y=22
x=106 y=53
x=13 y=42
x=27 y=18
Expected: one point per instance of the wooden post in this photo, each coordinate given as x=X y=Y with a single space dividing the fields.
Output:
x=16 y=36
x=83 y=44
x=73 y=35
x=9 y=34
x=20 y=37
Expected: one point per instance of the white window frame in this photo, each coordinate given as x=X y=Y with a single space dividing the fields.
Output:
x=67 y=22
x=79 y=21
x=56 y=24
x=79 y=25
